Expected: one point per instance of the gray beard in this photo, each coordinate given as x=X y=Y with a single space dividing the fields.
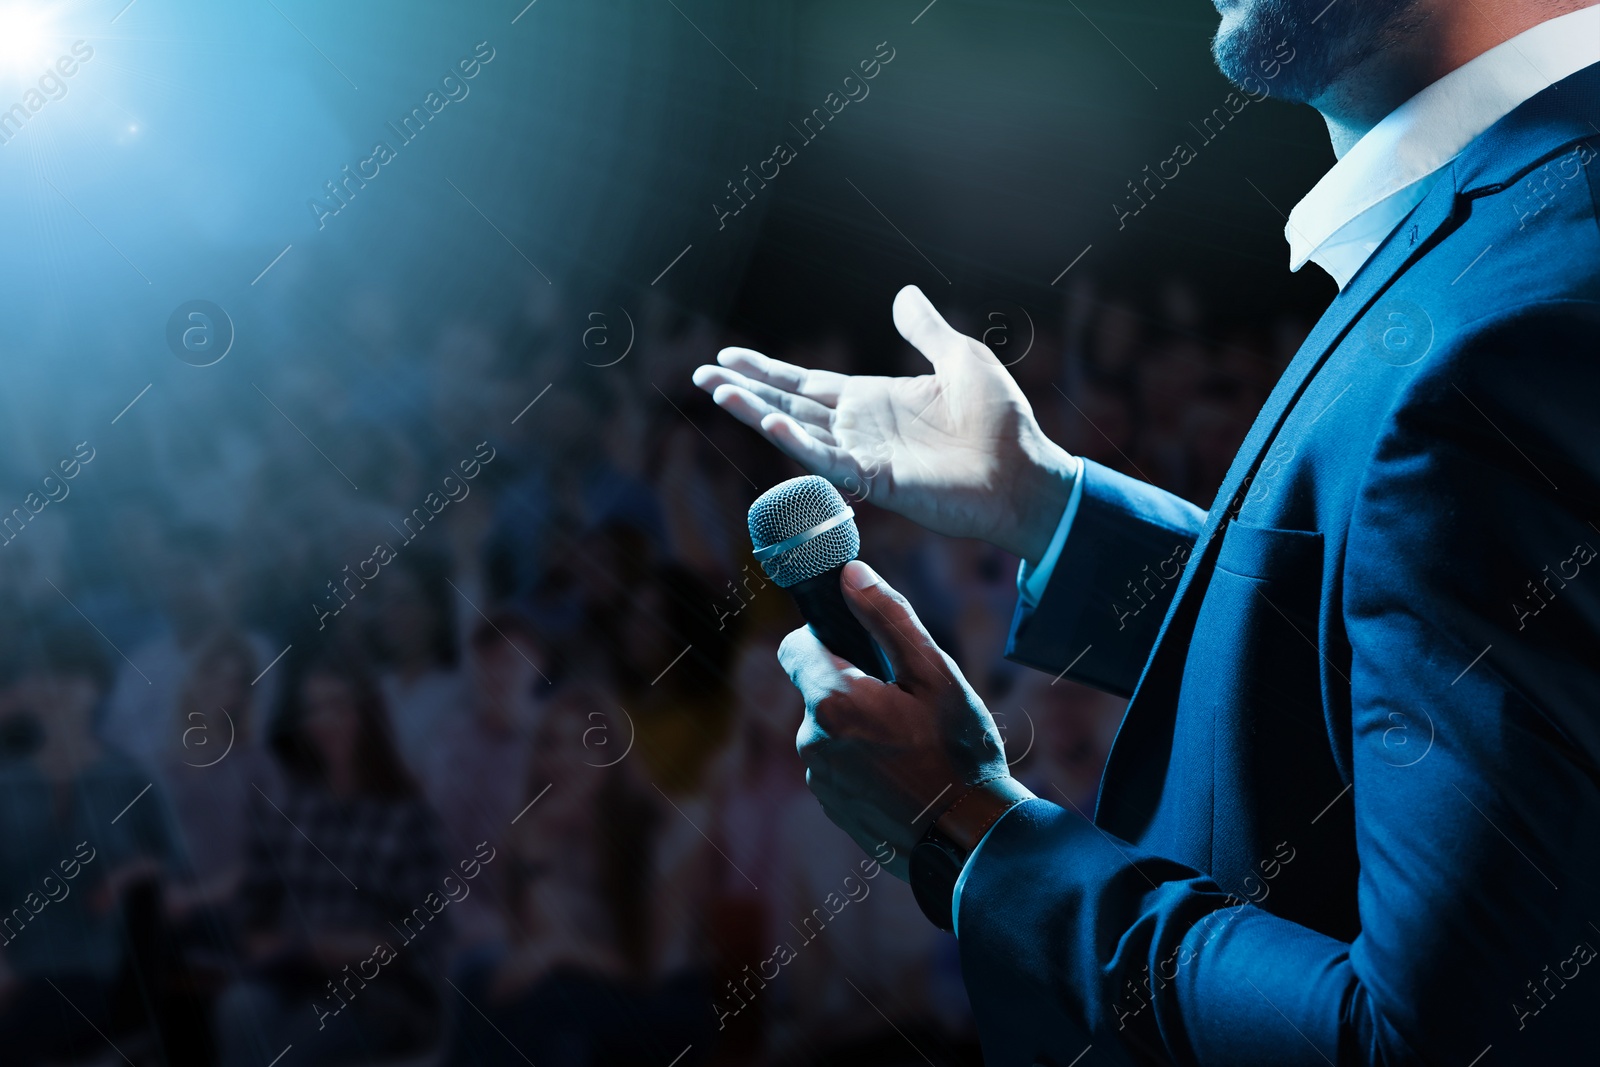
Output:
x=1325 y=42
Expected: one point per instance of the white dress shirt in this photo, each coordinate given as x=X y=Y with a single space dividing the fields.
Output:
x=1359 y=202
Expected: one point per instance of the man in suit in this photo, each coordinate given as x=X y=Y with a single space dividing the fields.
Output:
x=1352 y=814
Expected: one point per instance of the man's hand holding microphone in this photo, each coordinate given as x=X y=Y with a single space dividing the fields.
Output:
x=916 y=761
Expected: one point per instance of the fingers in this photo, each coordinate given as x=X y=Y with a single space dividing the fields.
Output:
x=820 y=385
x=751 y=407
x=892 y=623
x=724 y=382
x=738 y=402
x=922 y=325
x=813 y=447
x=789 y=405
x=814 y=669
x=801 y=444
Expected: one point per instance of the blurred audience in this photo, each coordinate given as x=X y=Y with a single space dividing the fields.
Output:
x=568 y=686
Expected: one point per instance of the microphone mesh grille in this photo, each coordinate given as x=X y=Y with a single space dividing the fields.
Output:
x=791 y=508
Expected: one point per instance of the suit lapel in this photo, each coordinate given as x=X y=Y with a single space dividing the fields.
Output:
x=1138 y=760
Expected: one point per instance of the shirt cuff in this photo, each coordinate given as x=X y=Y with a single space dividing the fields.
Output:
x=961 y=881
x=1032 y=579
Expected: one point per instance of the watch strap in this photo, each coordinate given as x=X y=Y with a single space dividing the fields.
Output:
x=979 y=807
x=937 y=859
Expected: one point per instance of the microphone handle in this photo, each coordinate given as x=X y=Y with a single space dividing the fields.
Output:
x=822 y=602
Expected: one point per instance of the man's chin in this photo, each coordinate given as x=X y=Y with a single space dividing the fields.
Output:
x=1300 y=48
x=1254 y=48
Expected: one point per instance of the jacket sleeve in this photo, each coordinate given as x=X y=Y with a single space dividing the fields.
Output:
x=1109 y=589
x=1471 y=599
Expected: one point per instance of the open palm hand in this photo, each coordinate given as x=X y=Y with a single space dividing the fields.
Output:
x=957 y=450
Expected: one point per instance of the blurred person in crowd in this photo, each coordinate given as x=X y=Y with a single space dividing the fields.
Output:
x=705 y=477
x=346 y=849
x=859 y=971
x=549 y=987
x=85 y=842
x=214 y=749
x=756 y=781
x=760 y=772
x=694 y=504
x=566 y=488
x=589 y=581
x=570 y=988
x=194 y=582
x=670 y=656
x=478 y=759
x=289 y=533
x=214 y=758
x=671 y=659
x=467 y=522
x=415 y=635
x=1182 y=316
x=384 y=332
x=299 y=530
x=1289 y=332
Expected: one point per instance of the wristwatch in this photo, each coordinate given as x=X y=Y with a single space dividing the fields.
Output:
x=938 y=858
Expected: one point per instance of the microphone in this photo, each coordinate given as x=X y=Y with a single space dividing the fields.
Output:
x=804 y=533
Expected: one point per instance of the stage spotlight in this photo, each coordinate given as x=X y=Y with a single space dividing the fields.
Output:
x=25 y=39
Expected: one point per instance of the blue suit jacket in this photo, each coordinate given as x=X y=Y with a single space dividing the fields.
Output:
x=1353 y=811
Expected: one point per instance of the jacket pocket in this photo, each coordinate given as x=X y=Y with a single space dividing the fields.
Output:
x=1269 y=553
x=1285 y=565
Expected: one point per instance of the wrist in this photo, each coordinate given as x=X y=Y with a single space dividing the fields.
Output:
x=1039 y=492
x=971 y=814
x=939 y=858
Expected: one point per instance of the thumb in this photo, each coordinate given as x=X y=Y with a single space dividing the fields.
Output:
x=892 y=623
x=920 y=323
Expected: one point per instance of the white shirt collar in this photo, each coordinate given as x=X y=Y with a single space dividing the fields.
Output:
x=1346 y=215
